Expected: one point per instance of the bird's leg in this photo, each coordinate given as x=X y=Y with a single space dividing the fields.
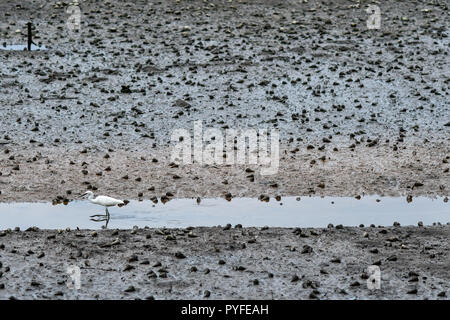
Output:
x=107 y=221
x=107 y=217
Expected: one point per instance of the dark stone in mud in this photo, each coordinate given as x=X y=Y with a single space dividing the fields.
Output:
x=307 y=249
x=377 y=263
x=180 y=255
x=145 y=262
x=303 y=235
x=413 y=274
x=171 y=237
x=181 y=103
x=35 y=283
x=412 y=291
x=392 y=258
x=310 y=284
x=313 y=295
x=130 y=289
x=125 y=89
x=128 y=268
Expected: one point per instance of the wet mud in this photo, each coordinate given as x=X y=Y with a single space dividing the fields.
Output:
x=227 y=263
x=358 y=110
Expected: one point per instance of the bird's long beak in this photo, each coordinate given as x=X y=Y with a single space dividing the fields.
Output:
x=82 y=195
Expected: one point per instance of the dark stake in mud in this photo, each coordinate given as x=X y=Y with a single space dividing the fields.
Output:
x=30 y=36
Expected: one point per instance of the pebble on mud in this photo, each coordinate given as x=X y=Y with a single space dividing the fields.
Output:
x=179 y=255
x=130 y=289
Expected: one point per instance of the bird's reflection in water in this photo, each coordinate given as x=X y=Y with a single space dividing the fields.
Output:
x=101 y=218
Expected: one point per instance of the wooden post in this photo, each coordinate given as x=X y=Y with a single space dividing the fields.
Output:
x=30 y=40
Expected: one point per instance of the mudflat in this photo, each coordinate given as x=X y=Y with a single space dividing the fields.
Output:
x=227 y=263
x=358 y=111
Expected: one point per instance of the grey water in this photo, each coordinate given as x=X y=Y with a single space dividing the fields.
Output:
x=21 y=47
x=180 y=213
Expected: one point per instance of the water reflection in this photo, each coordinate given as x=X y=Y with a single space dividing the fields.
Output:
x=101 y=218
x=288 y=212
x=21 y=47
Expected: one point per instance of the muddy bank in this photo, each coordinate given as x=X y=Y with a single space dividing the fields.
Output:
x=47 y=174
x=358 y=110
x=227 y=263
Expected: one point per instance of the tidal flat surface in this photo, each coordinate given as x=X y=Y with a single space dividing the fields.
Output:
x=358 y=110
x=227 y=263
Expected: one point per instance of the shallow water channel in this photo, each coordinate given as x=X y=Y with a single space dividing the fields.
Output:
x=289 y=212
x=21 y=47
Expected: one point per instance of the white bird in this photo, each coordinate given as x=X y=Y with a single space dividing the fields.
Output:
x=102 y=201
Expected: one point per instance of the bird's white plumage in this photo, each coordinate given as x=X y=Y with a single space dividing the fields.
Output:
x=103 y=200
x=106 y=201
